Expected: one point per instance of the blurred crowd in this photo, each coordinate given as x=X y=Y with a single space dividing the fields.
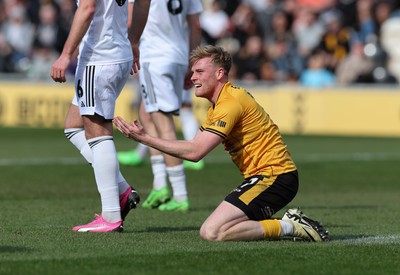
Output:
x=315 y=43
x=32 y=34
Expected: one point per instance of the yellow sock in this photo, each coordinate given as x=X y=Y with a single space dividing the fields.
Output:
x=272 y=229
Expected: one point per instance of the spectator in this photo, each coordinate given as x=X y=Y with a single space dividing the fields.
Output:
x=17 y=32
x=381 y=11
x=248 y=59
x=5 y=49
x=49 y=32
x=50 y=37
x=336 y=40
x=355 y=67
x=67 y=11
x=365 y=27
x=307 y=30
x=267 y=71
x=316 y=75
x=244 y=24
x=264 y=16
x=43 y=57
x=214 y=23
x=281 y=48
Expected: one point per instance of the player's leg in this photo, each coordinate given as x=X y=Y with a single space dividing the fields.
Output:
x=74 y=131
x=161 y=93
x=229 y=223
x=166 y=130
x=93 y=85
x=136 y=156
x=190 y=126
x=100 y=142
x=170 y=85
x=100 y=139
x=160 y=193
x=247 y=212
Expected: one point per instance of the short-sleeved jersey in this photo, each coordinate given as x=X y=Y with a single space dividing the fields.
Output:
x=250 y=136
x=106 y=41
x=165 y=37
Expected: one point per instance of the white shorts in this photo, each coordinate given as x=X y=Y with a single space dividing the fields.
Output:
x=97 y=87
x=161 y=86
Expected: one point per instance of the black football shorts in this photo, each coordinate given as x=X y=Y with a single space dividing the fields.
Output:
x=260 y=197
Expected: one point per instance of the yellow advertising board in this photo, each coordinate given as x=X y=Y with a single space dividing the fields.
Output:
x=43 y=105
x=367 y=112
x=336 y=111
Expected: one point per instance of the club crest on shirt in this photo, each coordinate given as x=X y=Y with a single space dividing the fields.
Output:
x=120 y=2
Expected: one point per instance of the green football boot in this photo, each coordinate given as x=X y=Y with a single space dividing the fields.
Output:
x=131 y=158
x=193 y=165
x=173 y=205
x=157 y=198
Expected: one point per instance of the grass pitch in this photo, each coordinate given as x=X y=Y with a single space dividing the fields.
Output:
x=351 y=185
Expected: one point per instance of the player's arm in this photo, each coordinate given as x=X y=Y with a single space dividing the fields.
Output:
x=80 y=24
x=192 y=150
x=139 y=20
x=193 y=21
x=130 y=13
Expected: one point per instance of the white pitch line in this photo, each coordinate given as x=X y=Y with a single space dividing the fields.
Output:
x=301 y=158
x=390 y=239
x=41 y=161
x=361 y=156
x=328 y=157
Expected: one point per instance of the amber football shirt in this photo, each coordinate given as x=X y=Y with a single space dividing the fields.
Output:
x=250 y=136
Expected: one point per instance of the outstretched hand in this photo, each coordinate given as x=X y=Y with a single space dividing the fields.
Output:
x=133 y=130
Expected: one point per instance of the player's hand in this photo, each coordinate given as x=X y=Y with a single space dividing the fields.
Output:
x=59 y=68
x=136 y=55
x=133 y=130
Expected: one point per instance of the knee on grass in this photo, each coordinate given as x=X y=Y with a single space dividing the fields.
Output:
x=211 y=234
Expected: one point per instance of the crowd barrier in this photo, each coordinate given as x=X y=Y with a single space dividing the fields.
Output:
x=356 y=111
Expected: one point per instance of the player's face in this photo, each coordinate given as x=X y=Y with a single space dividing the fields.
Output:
x=204 y=77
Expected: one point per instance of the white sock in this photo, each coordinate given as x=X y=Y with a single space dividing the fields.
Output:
x=78 y=138
x=176 y=176
x=159 y=172
x=287 y=228
x=105 y=166
x=142 y=150
x=190 y=125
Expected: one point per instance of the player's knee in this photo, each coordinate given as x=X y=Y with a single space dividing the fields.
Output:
x=210 y=233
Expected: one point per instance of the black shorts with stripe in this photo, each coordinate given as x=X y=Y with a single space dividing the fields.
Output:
x=260 y=197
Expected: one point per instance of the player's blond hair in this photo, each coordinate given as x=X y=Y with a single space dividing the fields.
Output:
x=218 y=56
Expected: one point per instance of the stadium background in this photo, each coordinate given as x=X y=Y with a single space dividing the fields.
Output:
x=318 y=67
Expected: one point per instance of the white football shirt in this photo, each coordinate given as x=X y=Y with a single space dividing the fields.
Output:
x=165 y=37
x=106 y=41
